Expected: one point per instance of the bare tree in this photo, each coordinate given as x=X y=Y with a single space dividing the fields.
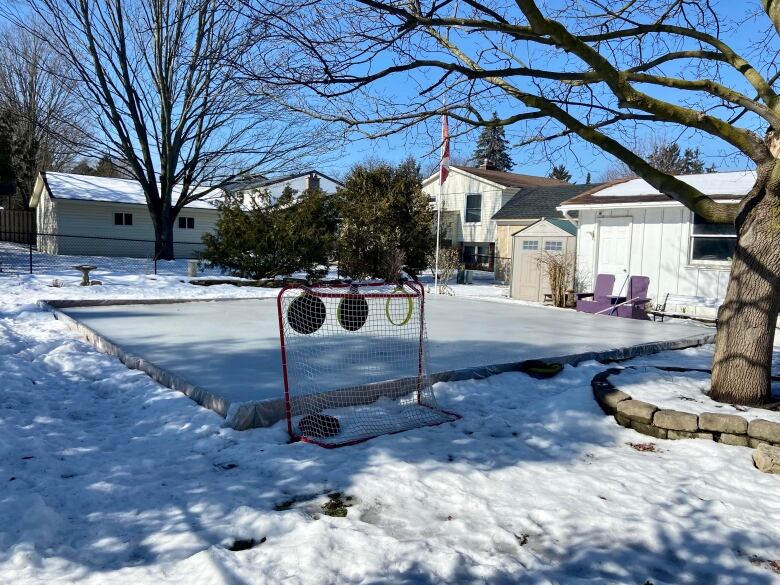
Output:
x=40 y=110
x=588 y=71
x=161 y=80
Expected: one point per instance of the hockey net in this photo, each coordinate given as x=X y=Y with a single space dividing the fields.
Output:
x=354 y=361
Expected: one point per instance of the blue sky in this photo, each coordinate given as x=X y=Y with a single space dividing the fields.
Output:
x=581 y=158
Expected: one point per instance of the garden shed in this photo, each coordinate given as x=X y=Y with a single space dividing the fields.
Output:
x=546 y=236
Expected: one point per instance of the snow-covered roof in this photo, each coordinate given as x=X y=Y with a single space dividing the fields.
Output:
x=89 y=188
x=735 y=184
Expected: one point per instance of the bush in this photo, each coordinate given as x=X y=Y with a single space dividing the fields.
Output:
x=385 y=221
x=264 y=238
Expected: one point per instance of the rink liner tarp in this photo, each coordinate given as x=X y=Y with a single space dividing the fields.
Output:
x=224 y=354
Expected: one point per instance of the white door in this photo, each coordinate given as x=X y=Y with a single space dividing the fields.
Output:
x=526 y=281
x=614 y=247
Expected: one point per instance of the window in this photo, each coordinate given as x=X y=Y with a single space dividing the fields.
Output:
x=123 y=219
x=476 y=254
x=553 y=246
x=530 y=245
x=473 y=208
x=187 y=223
x=712 y=242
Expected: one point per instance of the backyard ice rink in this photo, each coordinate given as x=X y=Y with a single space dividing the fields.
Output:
x=231 y=348
x=109 y=477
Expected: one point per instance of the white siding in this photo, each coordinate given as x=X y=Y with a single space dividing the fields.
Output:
x=660 y=249
x=46 y=224
x=454 y=191
x=91 y=220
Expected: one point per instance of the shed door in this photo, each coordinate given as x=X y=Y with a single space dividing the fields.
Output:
x=614 y=248
x=526 y=273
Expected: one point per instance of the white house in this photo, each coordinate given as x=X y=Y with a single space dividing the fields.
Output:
x=630 y=228
x=298 y=182
x=470 y=197
x=99 y=216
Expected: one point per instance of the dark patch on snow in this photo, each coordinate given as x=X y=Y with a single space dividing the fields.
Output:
x=226 y=466
x=643 y=447
x=245 y=544
x=337 y=505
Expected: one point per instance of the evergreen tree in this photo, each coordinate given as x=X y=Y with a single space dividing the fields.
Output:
x=7 y=172
x=667 y=157
x=587 y=178
x=386 y=221
x=493 y=146
x=273 y=238
x=561 y=173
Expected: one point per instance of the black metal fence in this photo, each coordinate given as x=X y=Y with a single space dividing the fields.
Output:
x=55 y=253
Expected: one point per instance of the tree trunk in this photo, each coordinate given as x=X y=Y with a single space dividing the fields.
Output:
x=742 y=364
x=163 y=234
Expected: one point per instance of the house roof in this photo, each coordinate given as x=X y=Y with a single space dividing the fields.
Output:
x=89 y=188
x=729 y=185
x=564 y=224
x=502 y=178
x=536 y=202
x=560 y=223
x=509 y=179
x=261 y=181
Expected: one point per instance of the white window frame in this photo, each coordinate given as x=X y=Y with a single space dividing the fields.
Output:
x=558 y=248
x=535 y=247
x=186 y=219
x=466 y=208
x=692 y=237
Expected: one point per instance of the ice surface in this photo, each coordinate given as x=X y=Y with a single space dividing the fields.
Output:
x=232 y=347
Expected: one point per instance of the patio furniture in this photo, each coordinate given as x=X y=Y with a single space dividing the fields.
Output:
x=85 y=269
x=634 y=306
x=600 y=295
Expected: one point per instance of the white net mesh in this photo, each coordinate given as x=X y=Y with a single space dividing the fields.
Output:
x=354 y=360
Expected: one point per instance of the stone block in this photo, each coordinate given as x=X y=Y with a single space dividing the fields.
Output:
x=637 y=410
x=623 y=421
x=609 y=397
x=688 y=435
x=723 y=423
x=738 y=440
x=754 y=443
x=648 y=430
x=767 y=458
x=764 y=430
x=676 y=421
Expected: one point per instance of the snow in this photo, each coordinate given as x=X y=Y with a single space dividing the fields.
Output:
x=737 y=183
x=110 y=478
x=89 y=188
x=684 y=391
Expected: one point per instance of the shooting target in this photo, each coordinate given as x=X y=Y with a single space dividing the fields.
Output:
x=306 y=314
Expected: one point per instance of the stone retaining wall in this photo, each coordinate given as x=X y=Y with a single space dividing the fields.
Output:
x=661 y=423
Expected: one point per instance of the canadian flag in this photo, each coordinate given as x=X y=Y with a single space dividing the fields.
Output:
x=444 y=167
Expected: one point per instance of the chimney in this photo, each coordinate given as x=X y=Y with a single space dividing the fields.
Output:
x=487 y=165
x=312 y=182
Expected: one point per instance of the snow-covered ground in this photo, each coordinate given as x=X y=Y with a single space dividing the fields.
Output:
x=110 y=478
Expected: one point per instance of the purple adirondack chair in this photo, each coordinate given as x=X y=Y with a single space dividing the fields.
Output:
x=635 y=306
x=600 y=295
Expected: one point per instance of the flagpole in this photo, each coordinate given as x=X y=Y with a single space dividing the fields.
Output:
x=438 y=231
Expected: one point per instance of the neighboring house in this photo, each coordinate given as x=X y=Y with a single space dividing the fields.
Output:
x=629 y=227
x=298 y=182
x=470 y=197
x=525 y=208
x=99 y=216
